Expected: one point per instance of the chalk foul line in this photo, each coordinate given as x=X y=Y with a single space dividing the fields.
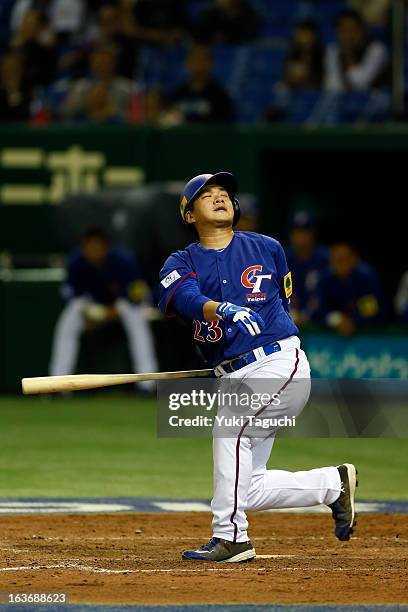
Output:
x=102 y=570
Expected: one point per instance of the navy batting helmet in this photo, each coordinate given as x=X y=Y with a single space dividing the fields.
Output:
x=196 y=184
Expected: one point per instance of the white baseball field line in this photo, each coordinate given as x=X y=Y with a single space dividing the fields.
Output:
x=101 y=570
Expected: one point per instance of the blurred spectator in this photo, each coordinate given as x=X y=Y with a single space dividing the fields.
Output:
x=156 y=21
x=309 y=263
x=99 y=104
x=303 y=73
x=15 y=97
x=200 y=99
x=374 y=12
x=36 y=44
x=153 y=107
x=65 y=16
x=350 y=293
x=227 y=21
x=21 y=7
x=401 y=298
x=67 y=19
x=103 y=284
x=110 y=29
x=355 y=63
x=104 y=94
x=304 y=61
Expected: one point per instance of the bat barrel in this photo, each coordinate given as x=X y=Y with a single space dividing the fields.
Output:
x=60 y=384
x=77 y=382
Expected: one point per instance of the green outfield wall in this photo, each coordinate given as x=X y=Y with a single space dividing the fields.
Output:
x=40 y=166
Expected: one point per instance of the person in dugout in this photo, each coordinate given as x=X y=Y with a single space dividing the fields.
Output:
x=350 y=293
x=103 y=283
x=309 y=262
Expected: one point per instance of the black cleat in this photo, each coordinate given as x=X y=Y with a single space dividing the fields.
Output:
x=343 y=509
x=222 y=551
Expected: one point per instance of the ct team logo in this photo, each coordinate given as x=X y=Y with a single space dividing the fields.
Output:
x=252 y=280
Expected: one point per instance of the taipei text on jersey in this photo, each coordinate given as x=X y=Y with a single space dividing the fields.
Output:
x=251 y=271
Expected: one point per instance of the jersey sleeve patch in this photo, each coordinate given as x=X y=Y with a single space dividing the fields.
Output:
x=287 y=284
x=170 y=279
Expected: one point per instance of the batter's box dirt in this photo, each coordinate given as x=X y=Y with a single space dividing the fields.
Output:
x=135 y=558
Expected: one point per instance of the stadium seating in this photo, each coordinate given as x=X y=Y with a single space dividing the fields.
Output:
x=250 y=72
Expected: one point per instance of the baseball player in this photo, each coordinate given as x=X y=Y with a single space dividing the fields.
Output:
x=308 y=263
x=103 y=283
x=350 y=295
x=235 y=288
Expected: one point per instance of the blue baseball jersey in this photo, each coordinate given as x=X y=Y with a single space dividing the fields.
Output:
x=251 y=271
x=307 y=275
x=103 y=284
x=359 y=295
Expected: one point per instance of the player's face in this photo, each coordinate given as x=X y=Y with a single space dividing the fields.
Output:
x=305 y=37
x=301 y=239
x=350 y=33
x=213 y=207
x=95 y=250
x=343 y=260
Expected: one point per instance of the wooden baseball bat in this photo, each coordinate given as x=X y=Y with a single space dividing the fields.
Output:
x=76 y=382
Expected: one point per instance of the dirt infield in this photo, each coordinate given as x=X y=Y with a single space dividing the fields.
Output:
x=135 y=558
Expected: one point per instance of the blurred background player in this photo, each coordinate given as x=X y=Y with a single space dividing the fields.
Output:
x=309 y=262
x=103 y=284
x=401 y=299
x=350 y=292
